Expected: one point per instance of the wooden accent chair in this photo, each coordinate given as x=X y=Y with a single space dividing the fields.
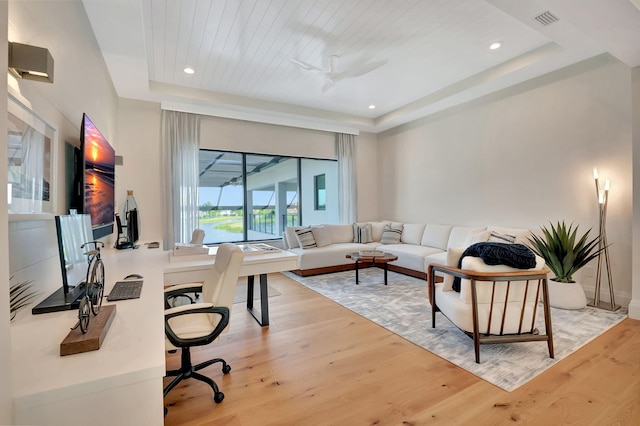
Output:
x=496 y=304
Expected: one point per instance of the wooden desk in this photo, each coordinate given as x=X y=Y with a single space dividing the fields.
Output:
x=119 y=384
x=181 y=271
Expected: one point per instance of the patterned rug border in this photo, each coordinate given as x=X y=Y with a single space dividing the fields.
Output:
x=402 y=307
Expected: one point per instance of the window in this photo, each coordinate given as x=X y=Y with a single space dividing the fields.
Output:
x=253 y=197
x=320 y=192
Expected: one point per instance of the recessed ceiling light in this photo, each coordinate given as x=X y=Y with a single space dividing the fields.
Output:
x=495 y=45
x=372 y=107
x=189 y=70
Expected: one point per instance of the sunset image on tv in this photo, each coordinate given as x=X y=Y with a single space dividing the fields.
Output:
x=99 y=174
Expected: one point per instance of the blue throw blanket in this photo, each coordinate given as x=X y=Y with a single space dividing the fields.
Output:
x=514 y=255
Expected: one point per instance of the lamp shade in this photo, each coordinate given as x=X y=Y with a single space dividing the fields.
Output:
x=30 y=62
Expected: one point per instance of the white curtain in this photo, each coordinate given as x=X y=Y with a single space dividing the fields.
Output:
x=347 y=197
x=180 y=147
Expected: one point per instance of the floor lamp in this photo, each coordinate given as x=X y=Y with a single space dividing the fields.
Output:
x=603 y=199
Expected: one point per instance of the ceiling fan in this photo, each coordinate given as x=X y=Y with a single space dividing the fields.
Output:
x=332 y=76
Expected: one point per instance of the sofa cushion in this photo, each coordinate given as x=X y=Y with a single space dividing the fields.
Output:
x=412 y=233
x=436 y=236
x=332 y=255
x=410 y=256
x=391 y=235
x=290 y=236
x=340 y=233
x=305 y=238
x=459 y=234
x=321 y=235
x=376 y=229
x=362 y=233
x=476 y=237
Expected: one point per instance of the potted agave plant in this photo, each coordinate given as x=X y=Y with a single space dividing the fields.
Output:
x=565 y=253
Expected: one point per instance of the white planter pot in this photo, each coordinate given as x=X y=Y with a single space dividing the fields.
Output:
x=566 y=295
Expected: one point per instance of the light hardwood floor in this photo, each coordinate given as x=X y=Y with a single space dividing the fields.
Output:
x=320 y=364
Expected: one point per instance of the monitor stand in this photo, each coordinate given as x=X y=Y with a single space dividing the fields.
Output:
x=60 y=301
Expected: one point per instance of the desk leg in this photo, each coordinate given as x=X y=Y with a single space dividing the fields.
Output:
x=357 y=272
x=261 y=317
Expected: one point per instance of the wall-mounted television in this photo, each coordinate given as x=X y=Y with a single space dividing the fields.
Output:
x=96 y=178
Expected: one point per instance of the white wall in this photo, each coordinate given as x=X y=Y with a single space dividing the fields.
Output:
x=81 y=84
x=522 y=157
x=6 y=399
x=139 y=145
x=634 y=306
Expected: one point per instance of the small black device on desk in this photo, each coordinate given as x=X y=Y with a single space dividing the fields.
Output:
x=123 y=290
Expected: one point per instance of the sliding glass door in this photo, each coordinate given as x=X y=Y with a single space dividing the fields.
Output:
x=254 y=197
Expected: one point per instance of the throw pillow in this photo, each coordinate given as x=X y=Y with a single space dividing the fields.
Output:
x=391 y=235
x=305 y=238
x=475 y=237
x=453 y=258
x=497 y=237
x=362 y=233
x=321 y=235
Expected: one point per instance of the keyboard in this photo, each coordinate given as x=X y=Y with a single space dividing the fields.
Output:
x=123 y=290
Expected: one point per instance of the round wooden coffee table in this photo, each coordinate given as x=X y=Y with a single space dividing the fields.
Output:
x=382 y=259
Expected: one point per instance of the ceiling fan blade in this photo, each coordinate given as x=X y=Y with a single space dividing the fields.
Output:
x=306 y=66
x=358 y=71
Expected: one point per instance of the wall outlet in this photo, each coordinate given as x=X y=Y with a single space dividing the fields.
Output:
x=588 y=271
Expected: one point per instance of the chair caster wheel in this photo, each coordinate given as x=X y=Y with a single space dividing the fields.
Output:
x=226 y=369
x=218 y=397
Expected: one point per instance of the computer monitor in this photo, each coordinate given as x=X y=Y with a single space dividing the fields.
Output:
x=72 y=232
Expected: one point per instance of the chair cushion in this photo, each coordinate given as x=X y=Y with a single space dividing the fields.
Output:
x=191 y=326
x=461 y=315
x=484 y=292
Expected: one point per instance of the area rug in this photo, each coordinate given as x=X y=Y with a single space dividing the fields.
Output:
x=403 y=308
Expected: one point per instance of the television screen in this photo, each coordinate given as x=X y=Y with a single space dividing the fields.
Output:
x=99 y=160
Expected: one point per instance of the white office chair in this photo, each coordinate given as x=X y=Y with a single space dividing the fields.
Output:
x=201 y=323
x=197 y=237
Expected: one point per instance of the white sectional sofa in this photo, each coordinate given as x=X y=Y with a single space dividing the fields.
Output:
x=419 y=245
